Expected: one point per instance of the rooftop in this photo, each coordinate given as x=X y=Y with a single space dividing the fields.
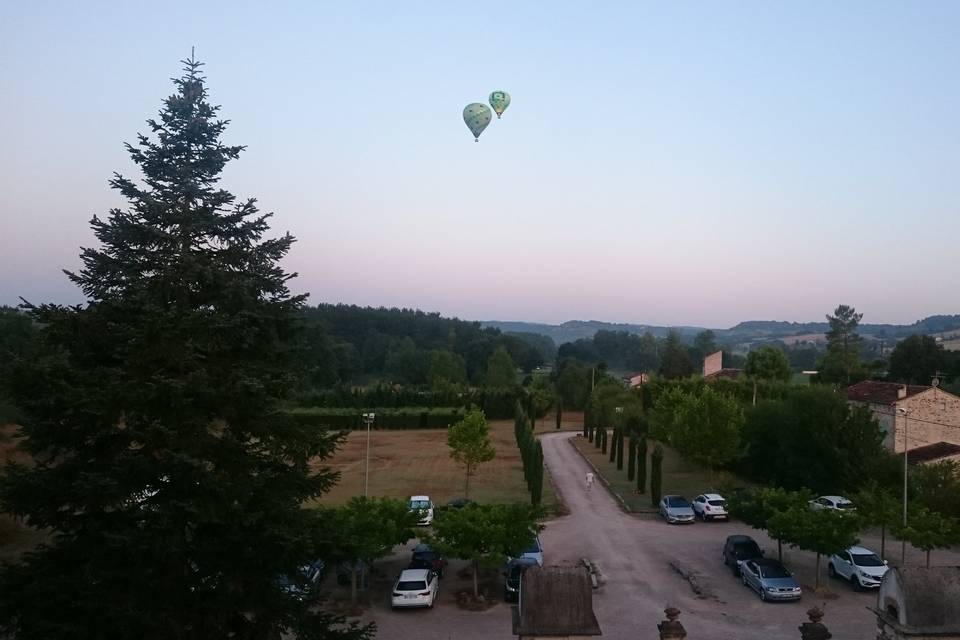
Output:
x=922 y=599
x=727 y=373
x=932 y=452
x=555 y=601
x=882 y=392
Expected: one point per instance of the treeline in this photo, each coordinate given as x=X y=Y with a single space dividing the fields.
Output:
x=350 y=344
x=531 y=453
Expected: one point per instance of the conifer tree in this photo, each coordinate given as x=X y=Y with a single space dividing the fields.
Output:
x=642 y=465
x=656 y=475
x=170 y=481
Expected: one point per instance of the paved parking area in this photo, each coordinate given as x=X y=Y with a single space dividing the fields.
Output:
x=643 y=562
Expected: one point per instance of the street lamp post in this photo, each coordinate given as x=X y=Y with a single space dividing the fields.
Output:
x=903 y=543
x=368 y=419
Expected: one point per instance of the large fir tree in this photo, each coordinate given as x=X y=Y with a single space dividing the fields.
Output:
x=169 y=481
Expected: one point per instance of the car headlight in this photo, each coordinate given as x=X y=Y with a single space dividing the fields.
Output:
x=771 y=589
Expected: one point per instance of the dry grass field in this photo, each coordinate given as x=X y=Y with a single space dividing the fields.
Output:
x=15 y=537
x=679 y=476
x=405 y=463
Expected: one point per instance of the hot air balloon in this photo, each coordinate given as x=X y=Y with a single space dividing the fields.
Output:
x=477 y=117
x=499 y=100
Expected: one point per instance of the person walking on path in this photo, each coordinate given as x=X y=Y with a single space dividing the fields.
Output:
x=589 y=480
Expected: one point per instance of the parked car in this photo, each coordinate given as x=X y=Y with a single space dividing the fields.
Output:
x=836 y=503
x=415 y=588
x=534 y=551
x=862 y=567
x=710 y=506
x=770 y=579
x=305 y=585
x=426 y=558
x=460 y=503
x=424 y=506
x=738 y=549
x=512 y=576
x=676 y=509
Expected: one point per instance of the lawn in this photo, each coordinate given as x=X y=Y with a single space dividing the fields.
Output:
x=410 y=462
x=679 y=476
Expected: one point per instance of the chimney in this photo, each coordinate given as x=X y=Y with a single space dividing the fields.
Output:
x=671 y=628
x=902 y=392
x=814 y=630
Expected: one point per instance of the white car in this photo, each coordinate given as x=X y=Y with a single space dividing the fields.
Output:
x=424 y=505
x=836 y=503
x=415 y=588
x=861 y=567
x=710 y=506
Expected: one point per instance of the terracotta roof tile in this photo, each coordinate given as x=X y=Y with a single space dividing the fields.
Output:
x=881 y=392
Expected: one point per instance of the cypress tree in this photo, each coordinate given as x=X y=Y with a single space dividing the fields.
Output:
x=656 y=475
x=602 y=438
x=613 y=444
x=632 y=458
x=559 y=412
x=169 y=477
x=536 y=490
x=642 y=465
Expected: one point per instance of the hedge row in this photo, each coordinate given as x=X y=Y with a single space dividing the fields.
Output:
x=386 y=417
x=496 y=403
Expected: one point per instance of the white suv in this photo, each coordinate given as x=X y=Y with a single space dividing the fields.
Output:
x=424 y=506
x=415 y=588
x=862 y=567
x=710 y=506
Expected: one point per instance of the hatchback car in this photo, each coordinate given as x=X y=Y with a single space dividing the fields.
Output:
x=835 y=503
x=738 y=549
x=534 y=551
x=861 y=567
x=710 y=506
x=512 y=576
x=424 y=506
x=415 y=588
x=770 y=579
x=676 y=509
x=424 y=557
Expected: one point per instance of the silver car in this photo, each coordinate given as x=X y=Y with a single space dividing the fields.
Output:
x=676 y=509
x=770 y=579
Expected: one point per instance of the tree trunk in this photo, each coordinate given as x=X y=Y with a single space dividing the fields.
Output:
x=476 y=587
x=559 y=413
x=353 y=583
x=883 y=541
x=779 y=552
x=928 y=558
x=817 y=582
x=466 y=488
x=754 y=393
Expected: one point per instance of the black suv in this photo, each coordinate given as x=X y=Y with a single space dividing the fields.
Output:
x=426 y=558
x=738 y=549
x=512 y=576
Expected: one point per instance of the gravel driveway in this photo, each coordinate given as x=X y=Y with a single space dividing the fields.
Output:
x=646 y=565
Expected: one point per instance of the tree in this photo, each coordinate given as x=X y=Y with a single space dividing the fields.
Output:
x=823 y=531
x=620 y=437
x=757 y=507
x=542 y=396
x=769 y=364
x=536 y=486
x=656 y=475
x=573 y=383
x=916 y=360
x=501 y=370
x=631 y=457
x=174 y=470
x=485 y=534
x=674 y=361
x=469 y=442
x=613 y=444
x=642 y=464
x=841 y=364
x=364 y=530
x=445 y=368
x=877 y=506
x=559 y=414
x=928 y=530
x=708 y=428
x=704 y=343
x=936 y=486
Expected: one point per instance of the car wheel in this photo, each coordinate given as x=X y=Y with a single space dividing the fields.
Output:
x=855 y=583
x=736 y=570
x=763 y=595
x=743 y=579
x=831 y=571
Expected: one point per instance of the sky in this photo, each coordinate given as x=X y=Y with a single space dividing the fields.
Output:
x=672 y=163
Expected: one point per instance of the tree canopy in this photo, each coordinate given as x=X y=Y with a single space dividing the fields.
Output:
x=916 y=360
x=842 y=364
x=501 y=370
x=469 y=442
x=768 y=363
x=674 y=360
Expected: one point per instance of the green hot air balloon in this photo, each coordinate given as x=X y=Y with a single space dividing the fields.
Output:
x=499 y=100
x=477 y=117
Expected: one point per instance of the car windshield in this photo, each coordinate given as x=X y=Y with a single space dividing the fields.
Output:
x=717 y=503
x=677 y=502
x=533 y=548
x=419 y=504
x=867 y=560
x=746 y=549
x=426 y=555
x=411 y=585
x=773 y=571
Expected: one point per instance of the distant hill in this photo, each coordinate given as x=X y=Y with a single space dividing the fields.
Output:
x=744 y=332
